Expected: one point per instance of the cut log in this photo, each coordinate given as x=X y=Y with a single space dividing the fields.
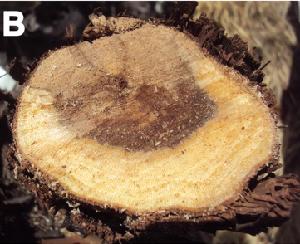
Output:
x=146 y=125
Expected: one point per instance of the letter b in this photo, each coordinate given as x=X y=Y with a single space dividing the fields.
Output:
x=7 y=23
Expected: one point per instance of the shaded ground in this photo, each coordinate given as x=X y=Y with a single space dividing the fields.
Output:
x=290 y=232
x=291 y=105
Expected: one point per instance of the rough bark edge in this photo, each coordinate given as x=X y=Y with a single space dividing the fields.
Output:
x=230 y=52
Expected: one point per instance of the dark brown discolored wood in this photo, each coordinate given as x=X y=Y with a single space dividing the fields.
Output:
x=147 y=117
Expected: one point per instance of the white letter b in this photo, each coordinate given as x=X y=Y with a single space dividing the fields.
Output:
x=7 y=23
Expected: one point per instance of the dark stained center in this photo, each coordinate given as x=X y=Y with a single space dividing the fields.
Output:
x=142 y=117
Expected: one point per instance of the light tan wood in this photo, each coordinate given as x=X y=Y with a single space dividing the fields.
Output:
x=62 y=106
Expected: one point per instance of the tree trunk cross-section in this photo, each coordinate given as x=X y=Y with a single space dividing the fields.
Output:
x=146 y=123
